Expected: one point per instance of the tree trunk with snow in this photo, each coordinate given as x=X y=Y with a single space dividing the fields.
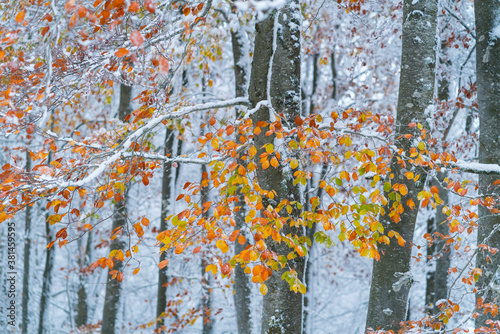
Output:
x=206 y=302
x=390 y=279
x=82 y=307
x=487 y=14
x=113 y=291
x=47 y=277
x=437 y=275
x=242 y=291
x=27 y=250
x=161 y=303
x=279 y=33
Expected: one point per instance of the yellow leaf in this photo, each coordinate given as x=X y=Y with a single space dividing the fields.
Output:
x=263 y=289
x=252 y=151
x=409 y=175
x=421 y=146
x=221 y=244
x=294 y=163
x=403 y=190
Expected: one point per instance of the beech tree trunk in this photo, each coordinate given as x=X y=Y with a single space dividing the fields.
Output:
x=27 y=249
x=206 y=305
x=82 y=307
x=311 y=230
x=165 y=204
x=437 y=275
x=242 y=292
x=391 y=279
x=488 y=91
x=112 y=299
x=282 y=308
x=47 y=277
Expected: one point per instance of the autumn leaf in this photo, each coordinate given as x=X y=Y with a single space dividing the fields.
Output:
x=150 y=5
x=222 y=245
x=263 y=289
x=136 y=38
x=162 y=264
x=20 y=16
x=122 y=52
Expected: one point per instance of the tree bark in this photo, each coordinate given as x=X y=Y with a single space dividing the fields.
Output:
x=488 y=90
x=27 y=249
x=82 y=307
x=113 y=291
x=47 y=277
x=390 y=279
x=282 y=308
x=165 y=204
x=242 y=291
x=310 y=231
x=437 y=276
x=206 y=305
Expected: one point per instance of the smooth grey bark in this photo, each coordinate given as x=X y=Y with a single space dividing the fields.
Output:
x=206 y=305
x=282 y=308
x=437 y=276
x=82 y=307
x=310 y=230
x=391 y=282
x=47 y=277
x=161 y=303
x=488 y=91
x=242 y=291
x=113 y=291
x=27 y=250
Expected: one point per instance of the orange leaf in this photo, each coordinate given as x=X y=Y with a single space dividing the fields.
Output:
x=136 y=270
x=120 y=276
x=434 y=190
x=121 y=52
x=403 y=190
x=234 y=235
x=145 y=221
x=162 y=264
x=134 y=7
x=196 y=250
x=179 y=248
x=20 y=16
x=274 y=162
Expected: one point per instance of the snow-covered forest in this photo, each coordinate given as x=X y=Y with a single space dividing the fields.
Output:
x=249 y=166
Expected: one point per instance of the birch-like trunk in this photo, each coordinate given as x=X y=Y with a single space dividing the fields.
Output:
x=487 y=14
x=113 y=291
x=27 y=250
x=282 y=308
x=391 y=279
